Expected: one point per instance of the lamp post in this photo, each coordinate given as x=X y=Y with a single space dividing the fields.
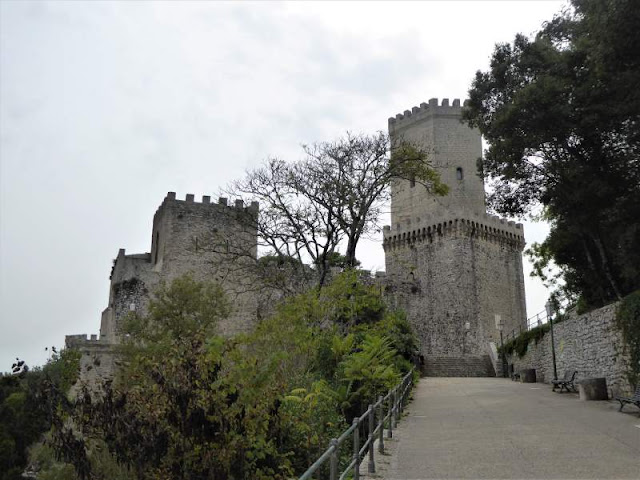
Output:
x=549 y=307
x=500 y=327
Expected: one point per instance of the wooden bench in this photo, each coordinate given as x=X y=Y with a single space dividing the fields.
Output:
x=566 y=382
x=634 y=399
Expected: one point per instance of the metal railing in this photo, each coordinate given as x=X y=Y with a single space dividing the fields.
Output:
x=392 y=403
x=533 y=321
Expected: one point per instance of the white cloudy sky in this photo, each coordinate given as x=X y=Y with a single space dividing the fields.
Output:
x=104 y=107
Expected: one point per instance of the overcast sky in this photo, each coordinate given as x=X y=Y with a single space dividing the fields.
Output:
x=105 y=107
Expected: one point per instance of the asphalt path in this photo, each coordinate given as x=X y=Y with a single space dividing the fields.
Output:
x=472 y=428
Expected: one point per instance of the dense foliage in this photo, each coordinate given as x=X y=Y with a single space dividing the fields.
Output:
x=628 y=319
x=190 y=404
x=561 y=113
x=27 y=408
x=520 y=344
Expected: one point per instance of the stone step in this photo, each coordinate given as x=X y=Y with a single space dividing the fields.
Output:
x=460 y=366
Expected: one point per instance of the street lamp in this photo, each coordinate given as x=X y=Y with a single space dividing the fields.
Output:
x=500 y=327
x=549 y=307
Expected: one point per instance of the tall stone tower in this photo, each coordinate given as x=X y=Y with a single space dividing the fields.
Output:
x=451 y=266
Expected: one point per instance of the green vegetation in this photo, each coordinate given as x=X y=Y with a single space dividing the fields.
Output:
x=520 y=344
x=191 y=404
x=27 y=403
x=561 y=113
x=628 y=319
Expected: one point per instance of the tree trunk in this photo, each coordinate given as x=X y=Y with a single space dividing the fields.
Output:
x=605 y=265
x=592 y=265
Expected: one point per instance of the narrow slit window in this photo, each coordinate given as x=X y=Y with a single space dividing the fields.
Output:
x=459 y=173
x=157 y=247
x=412 y=181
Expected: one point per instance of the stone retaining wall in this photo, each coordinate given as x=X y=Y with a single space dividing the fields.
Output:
x=589 y=343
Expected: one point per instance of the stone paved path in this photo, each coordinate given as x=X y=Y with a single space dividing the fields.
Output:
x=495 y=428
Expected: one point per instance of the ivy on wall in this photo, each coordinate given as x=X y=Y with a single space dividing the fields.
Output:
x=520 y=344
x=628 y=321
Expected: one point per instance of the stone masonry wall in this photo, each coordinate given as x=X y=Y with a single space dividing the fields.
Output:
x=589 y=343
x=451 y=145
x=212 y=242
x=199 y=238
x=449 y=265
x=209 y=241
x=453 y=278
x=97 y=363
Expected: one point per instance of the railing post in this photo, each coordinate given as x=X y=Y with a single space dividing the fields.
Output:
x=356 y=450
x=333 y=461
x=381 y=420
x=390 y=431
x=395 y=407
x=372 y=463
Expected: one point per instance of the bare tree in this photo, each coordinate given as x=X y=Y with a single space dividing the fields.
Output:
x=333 y=196
x=349 y=179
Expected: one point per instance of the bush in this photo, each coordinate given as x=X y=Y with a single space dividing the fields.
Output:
x=628 y=321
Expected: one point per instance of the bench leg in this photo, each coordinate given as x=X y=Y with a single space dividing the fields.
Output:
x=621 y=405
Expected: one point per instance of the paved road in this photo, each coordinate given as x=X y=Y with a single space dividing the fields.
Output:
x=495 y=428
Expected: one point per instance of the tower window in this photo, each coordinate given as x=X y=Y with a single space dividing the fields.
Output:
x=155 y=260
x=459 y=173
x=412 y=180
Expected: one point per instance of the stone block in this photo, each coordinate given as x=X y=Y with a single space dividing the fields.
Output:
x=593 y=389
x=528 y=375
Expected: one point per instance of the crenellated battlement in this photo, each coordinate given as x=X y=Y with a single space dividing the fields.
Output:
x=486 y=227
x=82 y=340
x=425 y=110
x=206 y=200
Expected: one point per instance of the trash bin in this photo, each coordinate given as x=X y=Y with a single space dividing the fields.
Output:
x=528 y=375
x=593 y=388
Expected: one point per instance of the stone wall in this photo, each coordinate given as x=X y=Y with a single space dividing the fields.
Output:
x=449 y=265
x=453 y=278
x=589 y=343
x=209 y=241
x=453 y=150
x=97 y=362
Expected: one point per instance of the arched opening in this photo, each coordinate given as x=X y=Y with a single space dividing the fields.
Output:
x=459 y=173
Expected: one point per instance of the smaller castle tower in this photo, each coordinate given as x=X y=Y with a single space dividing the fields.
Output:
x=451 y=266
x=211 y=241
x=205 y=239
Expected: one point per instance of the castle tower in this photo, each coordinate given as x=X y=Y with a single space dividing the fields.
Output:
x=451 y=266
x=187 y=237
x=211 y=241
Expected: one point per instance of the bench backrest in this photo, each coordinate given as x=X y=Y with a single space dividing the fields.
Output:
x=569 y=375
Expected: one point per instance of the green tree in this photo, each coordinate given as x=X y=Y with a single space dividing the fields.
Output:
x=189 y=403
x=28 y=407
x=562 y=119
x=186 y=404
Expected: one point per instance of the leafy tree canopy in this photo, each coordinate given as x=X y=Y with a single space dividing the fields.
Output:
x=28 y=403
x=561 y=114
